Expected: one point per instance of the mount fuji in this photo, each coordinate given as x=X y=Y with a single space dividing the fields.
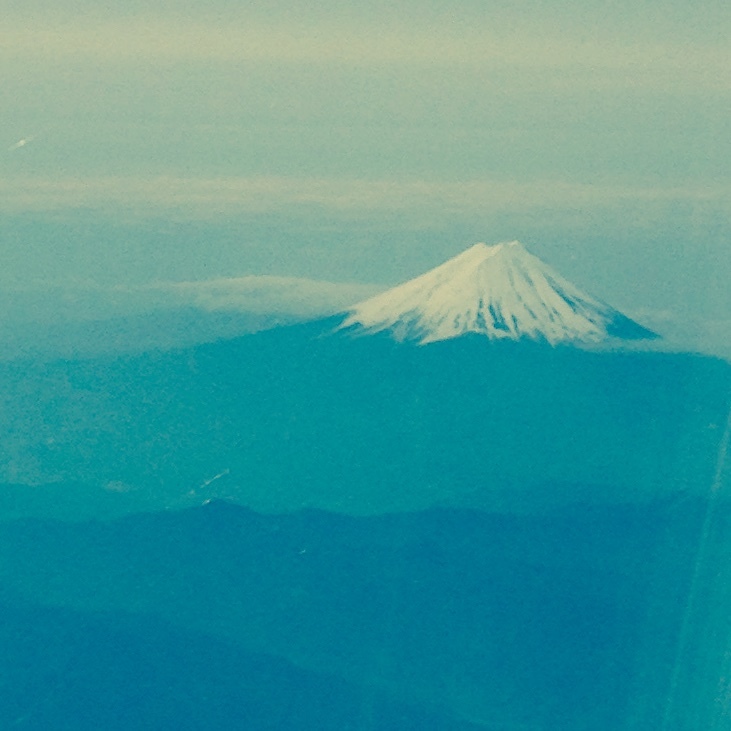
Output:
x=307 y=415
x=500 y=291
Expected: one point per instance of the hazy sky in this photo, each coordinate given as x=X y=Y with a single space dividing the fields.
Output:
x=368 y=143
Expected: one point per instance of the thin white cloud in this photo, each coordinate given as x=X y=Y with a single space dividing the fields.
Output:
x=289 y=297
x=195 y=197
x=267 y=294
x=673 y=62
x=681 y=332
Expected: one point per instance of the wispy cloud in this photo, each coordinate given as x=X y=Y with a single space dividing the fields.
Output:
x=267 y=294
x=197 y=197
x=483 y=46
x=67 y=302
x=688 y=333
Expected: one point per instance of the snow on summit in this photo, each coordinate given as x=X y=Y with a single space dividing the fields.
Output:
x=500 y=291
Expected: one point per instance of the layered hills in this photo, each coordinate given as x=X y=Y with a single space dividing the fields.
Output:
x=444 y=509
x=444 y=620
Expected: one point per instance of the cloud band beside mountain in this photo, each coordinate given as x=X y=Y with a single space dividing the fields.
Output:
x=287 y=296
x=267 y=295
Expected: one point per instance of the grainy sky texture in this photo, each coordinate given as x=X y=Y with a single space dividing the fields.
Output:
x=184 y=141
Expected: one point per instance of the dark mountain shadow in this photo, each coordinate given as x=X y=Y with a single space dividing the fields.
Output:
x=82 y=671
x=570 y=620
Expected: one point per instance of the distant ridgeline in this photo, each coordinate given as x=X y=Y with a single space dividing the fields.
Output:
x=465 y=388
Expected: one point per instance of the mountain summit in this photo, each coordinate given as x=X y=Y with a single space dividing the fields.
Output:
x=500 y=291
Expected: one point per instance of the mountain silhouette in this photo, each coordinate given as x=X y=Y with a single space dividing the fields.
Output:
x=502 y=292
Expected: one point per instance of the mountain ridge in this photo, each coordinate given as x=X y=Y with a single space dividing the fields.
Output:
x=328 y=593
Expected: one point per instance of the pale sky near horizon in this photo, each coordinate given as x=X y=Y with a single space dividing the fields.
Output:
x=368 y=143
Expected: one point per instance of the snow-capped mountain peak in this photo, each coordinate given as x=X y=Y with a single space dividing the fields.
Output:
x=500 y=291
